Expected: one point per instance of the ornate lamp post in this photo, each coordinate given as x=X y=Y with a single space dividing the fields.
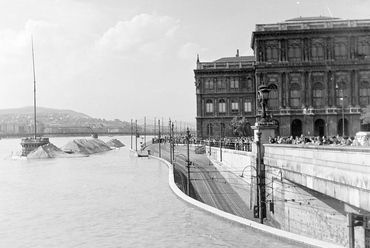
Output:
x=263 y=93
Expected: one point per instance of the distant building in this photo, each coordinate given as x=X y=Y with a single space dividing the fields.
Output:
x=317 y=70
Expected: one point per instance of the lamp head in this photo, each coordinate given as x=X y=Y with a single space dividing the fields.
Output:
x=263 y=93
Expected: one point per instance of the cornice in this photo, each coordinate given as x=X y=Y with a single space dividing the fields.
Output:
x=347 y=31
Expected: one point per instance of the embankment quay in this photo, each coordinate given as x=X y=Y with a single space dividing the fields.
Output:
x=311 y=193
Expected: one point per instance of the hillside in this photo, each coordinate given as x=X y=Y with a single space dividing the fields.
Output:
x=41 y=110
x=53 y=117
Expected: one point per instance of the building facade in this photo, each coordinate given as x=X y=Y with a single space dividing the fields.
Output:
x=317 y=70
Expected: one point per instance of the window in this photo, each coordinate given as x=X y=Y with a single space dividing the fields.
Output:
x=364 y=93
x=363 y=49
x=249 y=84
x=209 y=84
x=341 y=93
x=295 y=95
x=248 y=105
x=234 y=83
x=294 y=52
x=273 y=102
x=340 y=51
x=209 y=129
x=272 y=53
x=209 y=106
x=234 y=106
x=221 y=84
x=222 y=106
x=317 y=51
x=318 y=95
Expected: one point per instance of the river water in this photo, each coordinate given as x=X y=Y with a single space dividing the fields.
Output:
x=112 y=199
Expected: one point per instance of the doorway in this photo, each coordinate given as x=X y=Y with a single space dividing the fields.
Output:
x=319 y=128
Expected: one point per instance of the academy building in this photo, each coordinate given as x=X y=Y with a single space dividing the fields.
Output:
x=317 y=70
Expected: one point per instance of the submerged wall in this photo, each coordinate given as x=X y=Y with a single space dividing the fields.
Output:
x=309 y=190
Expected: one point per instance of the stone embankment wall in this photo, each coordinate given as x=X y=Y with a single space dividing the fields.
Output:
x=309 y=190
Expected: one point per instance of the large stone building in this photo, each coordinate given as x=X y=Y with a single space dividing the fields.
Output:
x=317 y=70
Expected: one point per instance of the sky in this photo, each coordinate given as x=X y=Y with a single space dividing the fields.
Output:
x=126 y=59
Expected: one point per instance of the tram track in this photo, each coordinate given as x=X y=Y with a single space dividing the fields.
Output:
x=211 y=190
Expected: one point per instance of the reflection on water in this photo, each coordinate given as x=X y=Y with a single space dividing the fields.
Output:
x=111 y=199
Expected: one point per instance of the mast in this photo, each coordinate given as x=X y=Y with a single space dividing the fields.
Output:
x=34 y=87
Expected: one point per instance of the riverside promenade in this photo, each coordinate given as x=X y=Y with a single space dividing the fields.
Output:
x=207 y=203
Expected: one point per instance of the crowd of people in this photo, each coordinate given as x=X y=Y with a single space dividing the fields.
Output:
x=245 y=143
x=317 y=140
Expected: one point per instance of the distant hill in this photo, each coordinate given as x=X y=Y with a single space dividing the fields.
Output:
x=41 y=110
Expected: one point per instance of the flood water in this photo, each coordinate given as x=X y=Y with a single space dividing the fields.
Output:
x=112 y=199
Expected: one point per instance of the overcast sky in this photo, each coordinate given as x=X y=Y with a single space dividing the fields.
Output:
x=132 y=58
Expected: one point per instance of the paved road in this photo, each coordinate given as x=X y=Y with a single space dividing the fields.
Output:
x=211 y=186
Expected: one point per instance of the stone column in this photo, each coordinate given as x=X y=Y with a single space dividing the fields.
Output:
x=357 y=93
x=326 y=89
x=309 y=90
x=303 y=89
x=281 y=98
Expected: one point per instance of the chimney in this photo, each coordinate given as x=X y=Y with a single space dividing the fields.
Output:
x=237 y=52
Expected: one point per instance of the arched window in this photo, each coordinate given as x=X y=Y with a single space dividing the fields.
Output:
x=209 y=106
x=364 y=94
x=273 y=102
x=222 y=106
x=295 y=95
x=234 y=106
x=318 y=95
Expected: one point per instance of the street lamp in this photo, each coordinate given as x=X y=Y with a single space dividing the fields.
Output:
x=221 y=124
x=342 y=98
x=188 y=141
x=262 y=94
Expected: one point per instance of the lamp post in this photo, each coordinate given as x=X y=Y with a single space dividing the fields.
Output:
x=188 y=164
x=262 y=94
x=169 y=124
x=173 y=141
x=221 y=123
x=159 y=137
x=131 y=134
x=209 y=136
x=340 y=87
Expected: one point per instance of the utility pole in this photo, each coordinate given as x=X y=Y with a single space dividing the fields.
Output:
x=221 y=141
x=131 y=133
x=144 y=130
x=188 y=141
x=135 y=135
x=173 y=143
x=159 y=137
x=169 y=124
x=209 y=136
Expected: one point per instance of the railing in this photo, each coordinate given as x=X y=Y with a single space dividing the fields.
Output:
x=224 y=65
